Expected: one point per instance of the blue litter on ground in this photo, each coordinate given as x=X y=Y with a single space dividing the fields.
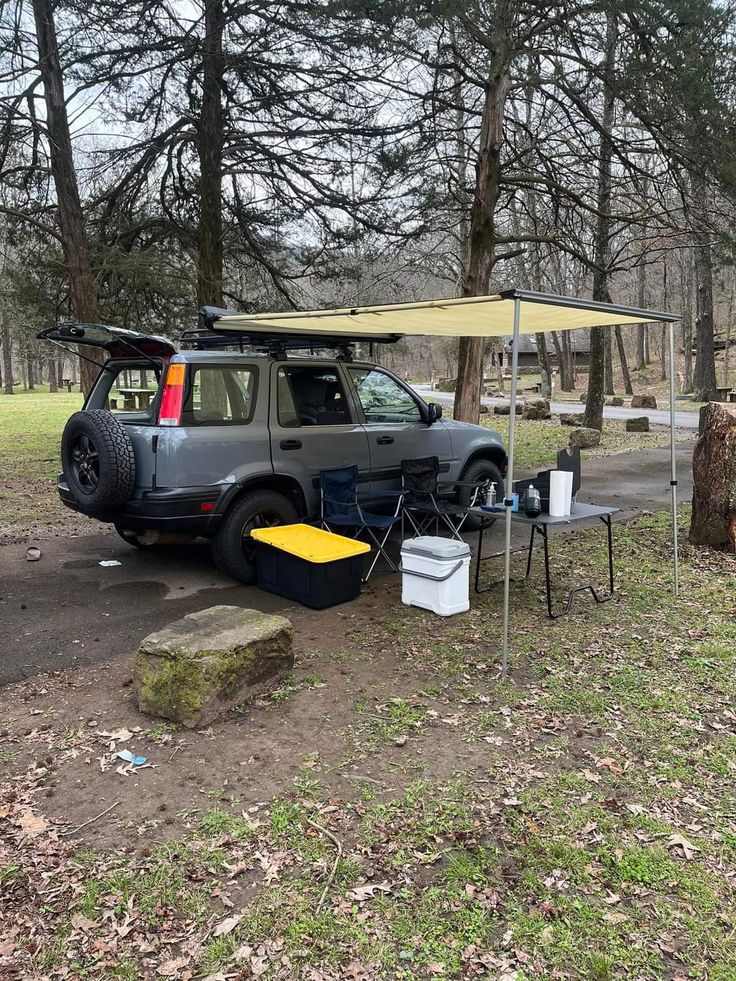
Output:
x=125 y=754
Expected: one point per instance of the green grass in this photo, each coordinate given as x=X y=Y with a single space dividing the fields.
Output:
x=31 y=424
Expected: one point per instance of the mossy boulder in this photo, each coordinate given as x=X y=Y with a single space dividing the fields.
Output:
x=195 y=669
x=585 y=438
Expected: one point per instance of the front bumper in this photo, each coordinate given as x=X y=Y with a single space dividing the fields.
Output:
x=190 y=509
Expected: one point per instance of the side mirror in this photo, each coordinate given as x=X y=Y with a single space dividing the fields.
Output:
x=434 y=412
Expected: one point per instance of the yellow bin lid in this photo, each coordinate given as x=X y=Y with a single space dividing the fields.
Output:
x=312 y=544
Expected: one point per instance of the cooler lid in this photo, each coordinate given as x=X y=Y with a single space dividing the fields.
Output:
x=434 y=547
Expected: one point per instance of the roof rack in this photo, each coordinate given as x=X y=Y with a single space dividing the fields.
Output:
x=275 y=344
x=206 y=337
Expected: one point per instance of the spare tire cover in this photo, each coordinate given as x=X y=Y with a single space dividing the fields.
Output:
x=98 y=461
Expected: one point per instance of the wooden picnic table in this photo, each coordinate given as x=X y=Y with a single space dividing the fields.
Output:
x=140 y=398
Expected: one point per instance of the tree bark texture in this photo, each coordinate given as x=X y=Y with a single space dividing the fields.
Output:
x=687 y=323
x=641 y=330
x=704 y=375
x=482 y=239
x=210 y=139
x=71 y=218
x=593 y=415
x=628 y=387
x=608 y=361
x=714 y=479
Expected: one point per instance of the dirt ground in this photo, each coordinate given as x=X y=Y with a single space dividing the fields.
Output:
x=395 y=810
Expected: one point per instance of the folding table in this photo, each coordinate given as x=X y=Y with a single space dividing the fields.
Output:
x=540 y=525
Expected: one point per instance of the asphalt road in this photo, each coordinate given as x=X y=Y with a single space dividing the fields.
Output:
x=68 y=610
x=684 y=419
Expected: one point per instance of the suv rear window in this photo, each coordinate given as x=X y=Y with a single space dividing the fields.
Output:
x=220 y=396
x=128 y=390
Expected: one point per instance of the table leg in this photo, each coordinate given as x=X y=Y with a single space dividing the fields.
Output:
x=588 y=587
x=531 y=552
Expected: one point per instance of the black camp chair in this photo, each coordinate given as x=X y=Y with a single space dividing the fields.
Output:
x=423 y=503
x=340 y=508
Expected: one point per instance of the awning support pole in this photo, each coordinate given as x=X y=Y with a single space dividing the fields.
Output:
x=510 y=486
x=673 y=460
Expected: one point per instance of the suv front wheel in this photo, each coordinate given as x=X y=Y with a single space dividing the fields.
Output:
x=233 y=550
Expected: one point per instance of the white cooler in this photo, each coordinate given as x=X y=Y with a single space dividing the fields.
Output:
x=436 y=574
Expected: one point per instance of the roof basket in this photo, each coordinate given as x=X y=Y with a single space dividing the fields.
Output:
x=206 y=337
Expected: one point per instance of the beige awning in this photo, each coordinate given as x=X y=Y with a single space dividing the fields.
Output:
x=479 y=316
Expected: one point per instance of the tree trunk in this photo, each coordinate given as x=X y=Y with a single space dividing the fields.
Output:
x=704 y=376
x=210 y=143
x=608 y=361
x=7 y=353
x=628 y=388
x=482 y=239
x=53 y=386
x=687 y=323
x=29 y=375
x=71 y=219
x=713 y=519
x=544 y=365
x=561 y=343
x=641 y=330
x=593 y=415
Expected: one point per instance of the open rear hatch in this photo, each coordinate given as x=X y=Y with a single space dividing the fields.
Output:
x=117 y=341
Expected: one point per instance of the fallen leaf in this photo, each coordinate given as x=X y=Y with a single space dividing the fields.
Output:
x=172 y=968
x=227 y=926
x=361 y=893
x=615 y=917
x=33 y=824
x=590 y=776
x=687 y=848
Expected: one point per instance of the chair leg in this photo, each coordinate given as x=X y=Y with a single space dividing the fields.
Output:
x=380 y=550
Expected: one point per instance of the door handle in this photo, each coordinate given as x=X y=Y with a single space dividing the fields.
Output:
x=290 y=444
x=384 y=440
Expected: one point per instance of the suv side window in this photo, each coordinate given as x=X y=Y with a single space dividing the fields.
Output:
x=310 y=395
x=382 y=398
x=220 y=396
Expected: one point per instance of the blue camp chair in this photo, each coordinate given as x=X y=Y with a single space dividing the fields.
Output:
x=341 y=509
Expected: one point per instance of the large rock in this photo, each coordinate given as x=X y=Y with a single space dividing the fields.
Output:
x=504 y=409
x=571 y=419
x=616 y=400
x=585 y=438
x=584 y=396
x=536 y=409
x=198 y=667
x=643 y=402
x=447 y=384
x=637 y=424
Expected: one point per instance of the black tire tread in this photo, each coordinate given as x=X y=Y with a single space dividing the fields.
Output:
x=111 y=440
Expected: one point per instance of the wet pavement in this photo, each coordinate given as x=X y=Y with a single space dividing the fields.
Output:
x=68 y=610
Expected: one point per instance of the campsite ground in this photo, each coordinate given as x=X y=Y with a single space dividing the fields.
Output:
x=395 y=809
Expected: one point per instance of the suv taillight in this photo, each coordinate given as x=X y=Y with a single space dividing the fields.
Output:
x=173 y=396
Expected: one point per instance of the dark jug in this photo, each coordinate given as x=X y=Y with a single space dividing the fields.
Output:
x=532 y=502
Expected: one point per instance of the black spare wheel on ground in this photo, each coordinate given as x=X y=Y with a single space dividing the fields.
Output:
x=98 y=461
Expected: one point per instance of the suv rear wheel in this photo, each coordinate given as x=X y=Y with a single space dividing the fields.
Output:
x=478 y=470
x=233 y=550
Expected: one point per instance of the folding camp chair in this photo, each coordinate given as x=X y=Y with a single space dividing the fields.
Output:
x=340 y=508
x=422 y=502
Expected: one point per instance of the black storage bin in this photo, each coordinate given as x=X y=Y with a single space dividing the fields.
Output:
x=315 y=584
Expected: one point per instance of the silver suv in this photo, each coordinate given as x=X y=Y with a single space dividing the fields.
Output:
x=174 y=444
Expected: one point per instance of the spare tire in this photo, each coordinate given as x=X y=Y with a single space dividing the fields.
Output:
x=98 y=461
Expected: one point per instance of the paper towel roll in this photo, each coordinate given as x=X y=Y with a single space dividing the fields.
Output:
x=568 y=490
x=557 y=489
